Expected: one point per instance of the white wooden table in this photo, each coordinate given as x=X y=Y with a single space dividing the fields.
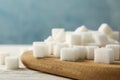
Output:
x=23 y=73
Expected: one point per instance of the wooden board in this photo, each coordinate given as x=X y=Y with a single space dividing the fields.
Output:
x=83 y=70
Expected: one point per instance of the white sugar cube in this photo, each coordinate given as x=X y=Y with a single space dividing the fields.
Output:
x=40 y=49
x=94 y=32
x=58 y=47
x=60 y=36
x=51 y=46
x=11 y=62
x=38 y=43
x=86 y=37
x=115 y=35
x=112 y=41
x=103 y=55
x=68 y=54
x=81 y=29
x=92 y=44
x=105 y=28
x=116 y=49
x=81 y=50
x=49 y=39
x=101 y=39
x=2 y=57
x=74 y=39
x=90 y=51
x=67 y=36
x=55 y=31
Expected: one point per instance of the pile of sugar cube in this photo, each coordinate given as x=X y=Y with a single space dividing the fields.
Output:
x=101 y=45
x=10 y=62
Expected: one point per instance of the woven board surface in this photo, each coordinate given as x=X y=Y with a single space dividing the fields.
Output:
x=82 y=70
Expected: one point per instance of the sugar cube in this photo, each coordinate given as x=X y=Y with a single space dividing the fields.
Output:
x=58 y=47
x=51 y=46
x=103 y=55
x=68 y=54
x=116 y=49
x=90 y=51
x=115 y=35
x=55 y=31
x=49 y=39
x=74 y=39
x=60 y=36
x=105 y=28
x=101 y=39
x=11 y=62
x=2 y=57
x=40 y=49
x=86 y=37
x=81 y=51
x=81 y=29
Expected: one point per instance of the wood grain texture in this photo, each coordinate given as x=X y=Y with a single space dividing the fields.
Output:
x=83 y=70
x=26 y=74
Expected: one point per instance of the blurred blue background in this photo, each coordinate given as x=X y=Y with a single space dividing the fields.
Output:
x=25 y=21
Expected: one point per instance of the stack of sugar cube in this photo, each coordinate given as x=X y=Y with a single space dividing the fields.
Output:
x=10 y=62
x=101 y=45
